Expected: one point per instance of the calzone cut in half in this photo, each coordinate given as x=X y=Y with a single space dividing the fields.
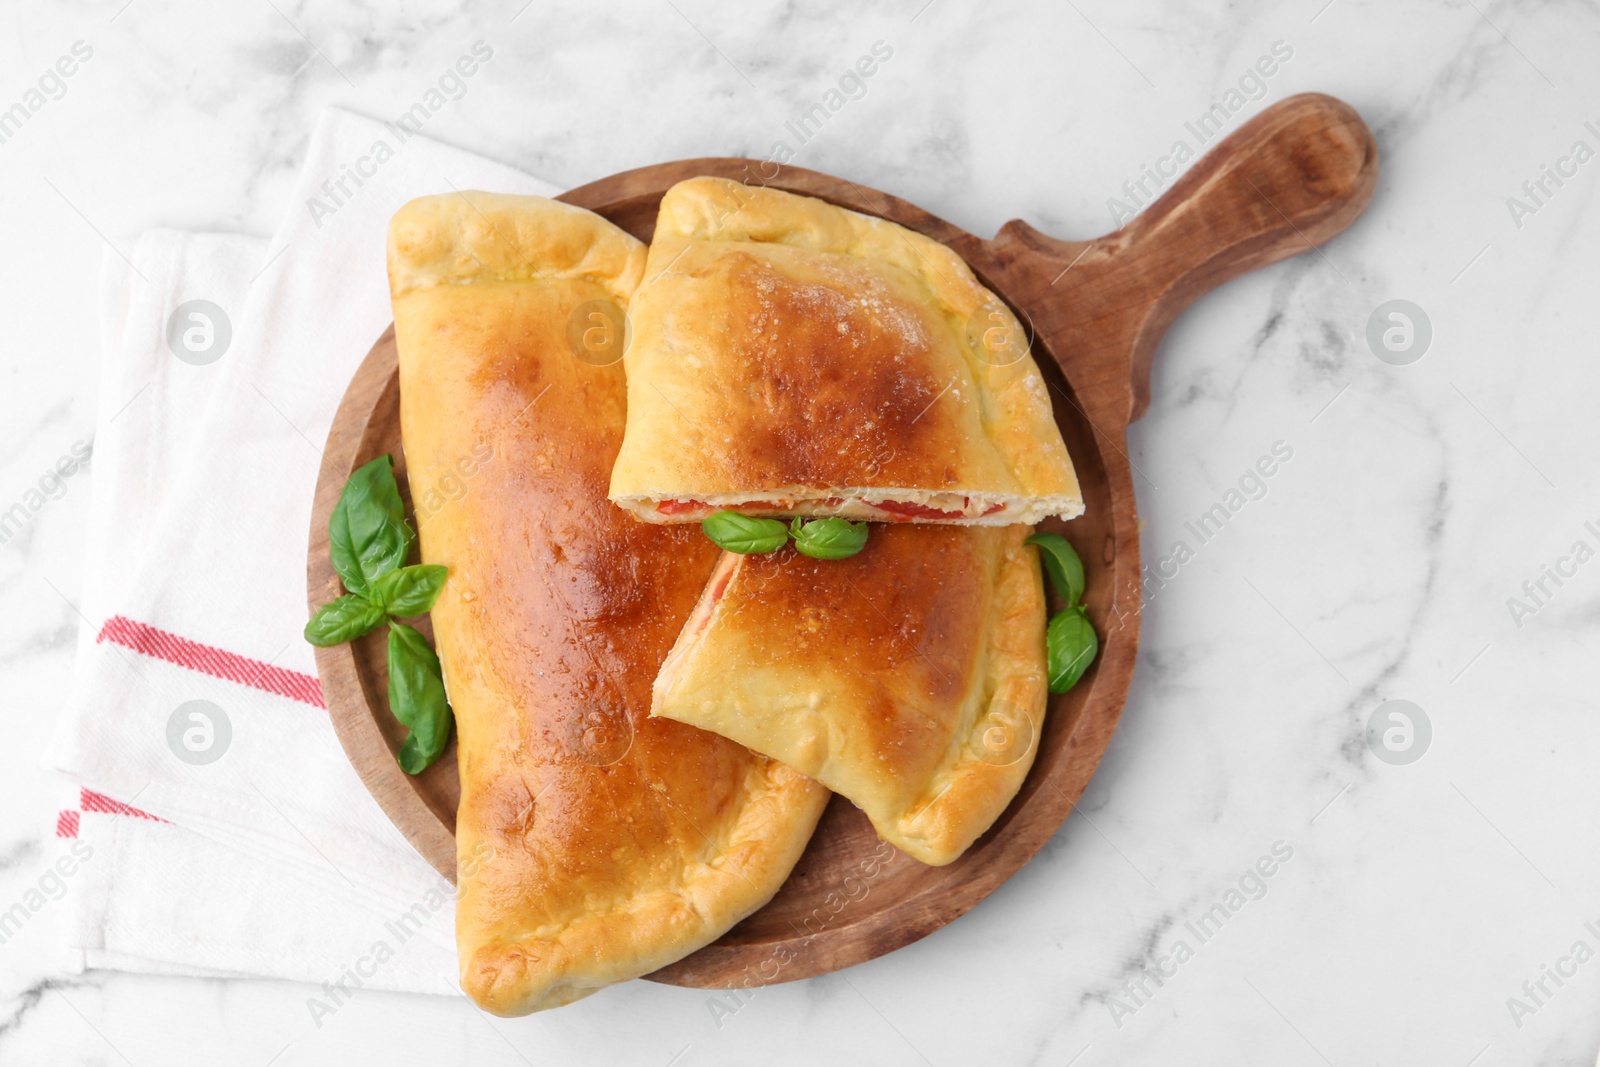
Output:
x=790 y=357
x=596 y=844
x=910 y=678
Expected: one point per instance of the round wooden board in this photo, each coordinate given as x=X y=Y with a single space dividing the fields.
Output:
x=1299 y=172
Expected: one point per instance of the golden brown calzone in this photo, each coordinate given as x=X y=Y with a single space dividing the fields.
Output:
x=790 y=357
x=910 y=678
x=596 y=843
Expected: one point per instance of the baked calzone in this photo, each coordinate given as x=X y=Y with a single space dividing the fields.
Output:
x=790 y=357
x=910 y=678
x=596 y=844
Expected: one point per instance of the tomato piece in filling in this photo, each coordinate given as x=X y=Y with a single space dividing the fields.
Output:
x=903 y=511
x=694 y=507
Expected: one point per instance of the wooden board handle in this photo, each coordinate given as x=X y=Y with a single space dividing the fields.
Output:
x=1284 y=182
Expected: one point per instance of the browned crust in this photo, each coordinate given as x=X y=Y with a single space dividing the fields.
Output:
x=783 y=347
x=595 y=843
x=910 y=678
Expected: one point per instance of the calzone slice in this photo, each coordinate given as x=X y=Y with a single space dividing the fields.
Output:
x=790 y=357
x=595 y=844
x=911 y=677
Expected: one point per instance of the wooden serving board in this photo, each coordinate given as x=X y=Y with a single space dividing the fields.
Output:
x=1292 y=177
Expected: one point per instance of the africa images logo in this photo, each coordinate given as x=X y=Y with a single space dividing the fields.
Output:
x=1140 y=987
x=452 y=85
x=1204 y=128
x=1538 y=591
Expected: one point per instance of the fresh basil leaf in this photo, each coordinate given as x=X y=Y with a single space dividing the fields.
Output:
x=343 y=619
x=417 y=698
x=829 y=538
x=743 y=533
x=1071 y=645
x=413 y=759
x=367 y=532
x=1062 y=564
x=410 y=590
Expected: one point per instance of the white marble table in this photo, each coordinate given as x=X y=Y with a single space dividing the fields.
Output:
x=1378 y=562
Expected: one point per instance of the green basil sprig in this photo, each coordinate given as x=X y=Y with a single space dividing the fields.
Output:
x=368 y=541
x=1071 y=645
x=416 y=695
x=1062 y=564
x=343 y=619
x=409 y=591
x=827 y=538
x=744 y=534
x=1070 y=641
x=367 y=532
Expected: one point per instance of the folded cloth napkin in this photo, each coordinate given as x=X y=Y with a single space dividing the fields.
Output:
x=221 y=829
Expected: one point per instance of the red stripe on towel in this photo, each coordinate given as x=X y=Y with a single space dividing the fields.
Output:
x=89 y=800
x=68 y=822
x=150 y=641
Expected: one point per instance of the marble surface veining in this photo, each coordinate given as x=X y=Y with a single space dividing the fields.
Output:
x=1410 y=906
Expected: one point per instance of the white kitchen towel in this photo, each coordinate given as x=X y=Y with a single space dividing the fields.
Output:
x=149 y=895
x=232 y=837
